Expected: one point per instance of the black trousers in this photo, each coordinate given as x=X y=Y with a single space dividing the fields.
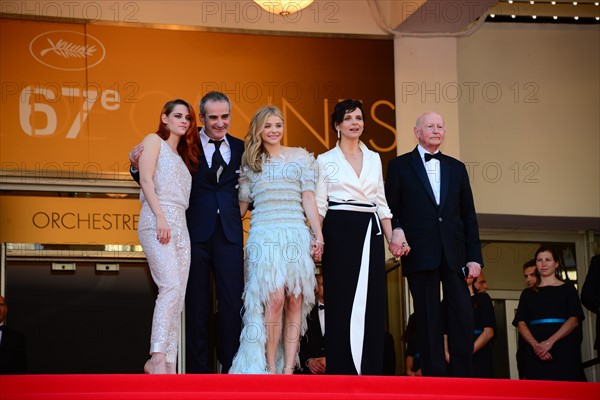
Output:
x=224 y=260
x=454 y=317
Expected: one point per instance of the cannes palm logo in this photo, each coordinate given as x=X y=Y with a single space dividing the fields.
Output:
x=67 y=50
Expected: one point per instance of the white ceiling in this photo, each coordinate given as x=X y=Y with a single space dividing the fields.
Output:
x=371 y=18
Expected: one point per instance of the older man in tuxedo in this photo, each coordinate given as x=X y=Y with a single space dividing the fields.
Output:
x=436 y=233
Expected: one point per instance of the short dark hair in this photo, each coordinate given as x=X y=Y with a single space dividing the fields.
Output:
x=342 y=108
x=213 y=96
x=529 y=263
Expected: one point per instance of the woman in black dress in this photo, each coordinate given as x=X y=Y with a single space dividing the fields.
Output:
x=484 y=330
x=549 y=320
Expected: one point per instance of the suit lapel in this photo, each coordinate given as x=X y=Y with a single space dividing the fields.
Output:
x=419 y=169
x=234 y=153
x=445 y=177
x=203 y=161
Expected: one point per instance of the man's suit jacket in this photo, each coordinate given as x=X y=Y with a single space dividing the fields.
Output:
x=208 y=196
x=12 y=352
x=449 y=230
x=590 y=294
x=312 y=344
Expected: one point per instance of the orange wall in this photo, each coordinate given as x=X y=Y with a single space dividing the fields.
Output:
x=66 y=220
x=58 y=111
x=76 y=98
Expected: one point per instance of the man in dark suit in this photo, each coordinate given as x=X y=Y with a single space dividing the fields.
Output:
x=590 y=294
x=531 y=277
x=436 y=233
x=215 y=228
x=13 y=358
x=312 y=344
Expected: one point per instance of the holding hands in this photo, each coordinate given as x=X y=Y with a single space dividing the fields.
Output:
x=316 y=248
x=398 y=244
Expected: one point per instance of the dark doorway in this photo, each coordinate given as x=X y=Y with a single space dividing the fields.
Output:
x=81 y=321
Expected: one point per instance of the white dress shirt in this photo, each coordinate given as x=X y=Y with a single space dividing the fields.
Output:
x=322 y=318
x=338 y=182
x=434 y=172
x=209 y=150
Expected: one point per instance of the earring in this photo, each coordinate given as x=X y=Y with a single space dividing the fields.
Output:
x=339 y=134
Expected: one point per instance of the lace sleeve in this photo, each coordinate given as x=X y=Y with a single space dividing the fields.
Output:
x=309 y=168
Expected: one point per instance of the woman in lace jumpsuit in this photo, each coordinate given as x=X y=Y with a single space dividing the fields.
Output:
x=165 y=164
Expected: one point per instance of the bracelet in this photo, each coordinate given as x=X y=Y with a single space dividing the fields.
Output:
x=318 y=241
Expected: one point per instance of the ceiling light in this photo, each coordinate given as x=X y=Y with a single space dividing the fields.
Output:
x=574 y=3
x=283 y=7
x=513 y=16
x=553 y=3
x=532 y=2
x=534 y=16
x=555 y=17
x=576 y=18
x=493 y=15
x=510 y=1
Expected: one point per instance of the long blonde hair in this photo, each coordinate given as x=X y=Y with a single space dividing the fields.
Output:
x=254 y=151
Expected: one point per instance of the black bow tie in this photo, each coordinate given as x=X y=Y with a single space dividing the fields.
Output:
x=430 y=156
x=321 y=306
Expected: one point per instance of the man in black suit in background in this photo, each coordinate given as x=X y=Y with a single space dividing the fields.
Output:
x=312 y=344
x=13 y=359
x=590 y=294
x=436 y=233
x=215 y=228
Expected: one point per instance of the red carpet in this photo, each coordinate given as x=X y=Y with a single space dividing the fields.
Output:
x=265 y=387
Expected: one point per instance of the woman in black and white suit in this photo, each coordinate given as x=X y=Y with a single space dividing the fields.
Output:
x=351 y=200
